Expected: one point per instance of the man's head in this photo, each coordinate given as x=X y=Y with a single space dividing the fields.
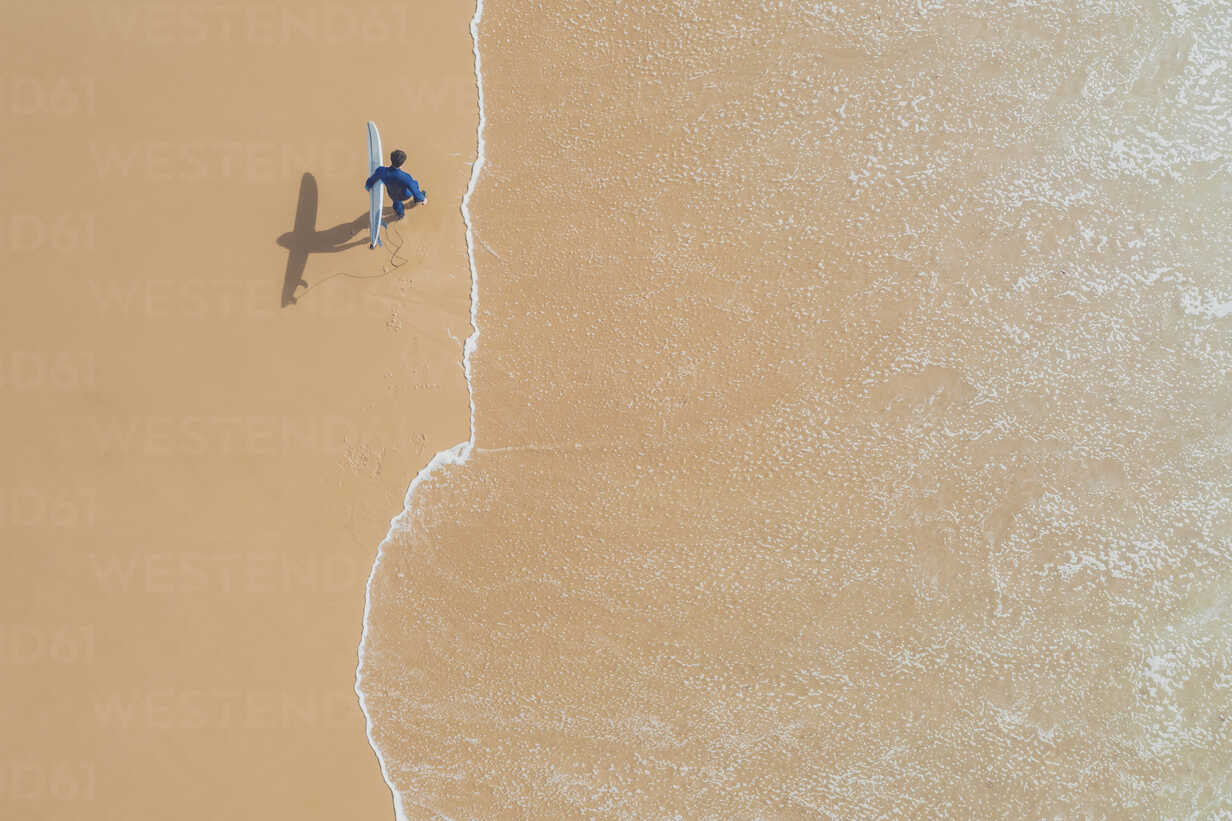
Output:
x=397 y=157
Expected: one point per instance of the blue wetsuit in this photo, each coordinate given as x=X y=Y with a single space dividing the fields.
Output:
x=400 y=185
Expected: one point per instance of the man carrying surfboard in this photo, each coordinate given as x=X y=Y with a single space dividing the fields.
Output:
x=400 y=185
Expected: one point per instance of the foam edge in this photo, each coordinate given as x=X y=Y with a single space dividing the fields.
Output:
x=459 y=453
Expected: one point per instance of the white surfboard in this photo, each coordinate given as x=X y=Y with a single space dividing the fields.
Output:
x=376 y=195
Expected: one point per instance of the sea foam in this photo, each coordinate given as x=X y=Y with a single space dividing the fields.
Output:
x=459 y=453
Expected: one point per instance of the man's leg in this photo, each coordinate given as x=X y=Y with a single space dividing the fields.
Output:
x=398 y=209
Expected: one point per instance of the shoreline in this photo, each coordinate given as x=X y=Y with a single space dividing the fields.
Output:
x=459 y=453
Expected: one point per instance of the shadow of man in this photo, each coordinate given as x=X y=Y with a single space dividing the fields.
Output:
x=305 y=239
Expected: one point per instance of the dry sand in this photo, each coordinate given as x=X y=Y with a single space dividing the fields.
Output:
x=195 y=477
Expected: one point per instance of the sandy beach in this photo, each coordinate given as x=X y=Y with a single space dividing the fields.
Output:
x=842 y=429
x=196 y=476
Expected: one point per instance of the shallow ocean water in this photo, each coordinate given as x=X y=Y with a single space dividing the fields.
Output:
x=851 y=430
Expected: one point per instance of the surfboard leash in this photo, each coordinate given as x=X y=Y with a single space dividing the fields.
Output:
x=394 y=256
x=396 y=261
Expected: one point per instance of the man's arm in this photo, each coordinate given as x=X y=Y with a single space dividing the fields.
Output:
x=411 y=185
x=416 y=192
x=376 y=175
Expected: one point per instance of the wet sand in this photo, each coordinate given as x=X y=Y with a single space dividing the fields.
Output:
x=200 y=453
x=851 y=423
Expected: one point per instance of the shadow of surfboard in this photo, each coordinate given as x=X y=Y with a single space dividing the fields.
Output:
x=304 y=239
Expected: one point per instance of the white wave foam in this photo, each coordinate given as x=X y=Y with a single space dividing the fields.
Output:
x=1205 y=305
x=459 y=453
